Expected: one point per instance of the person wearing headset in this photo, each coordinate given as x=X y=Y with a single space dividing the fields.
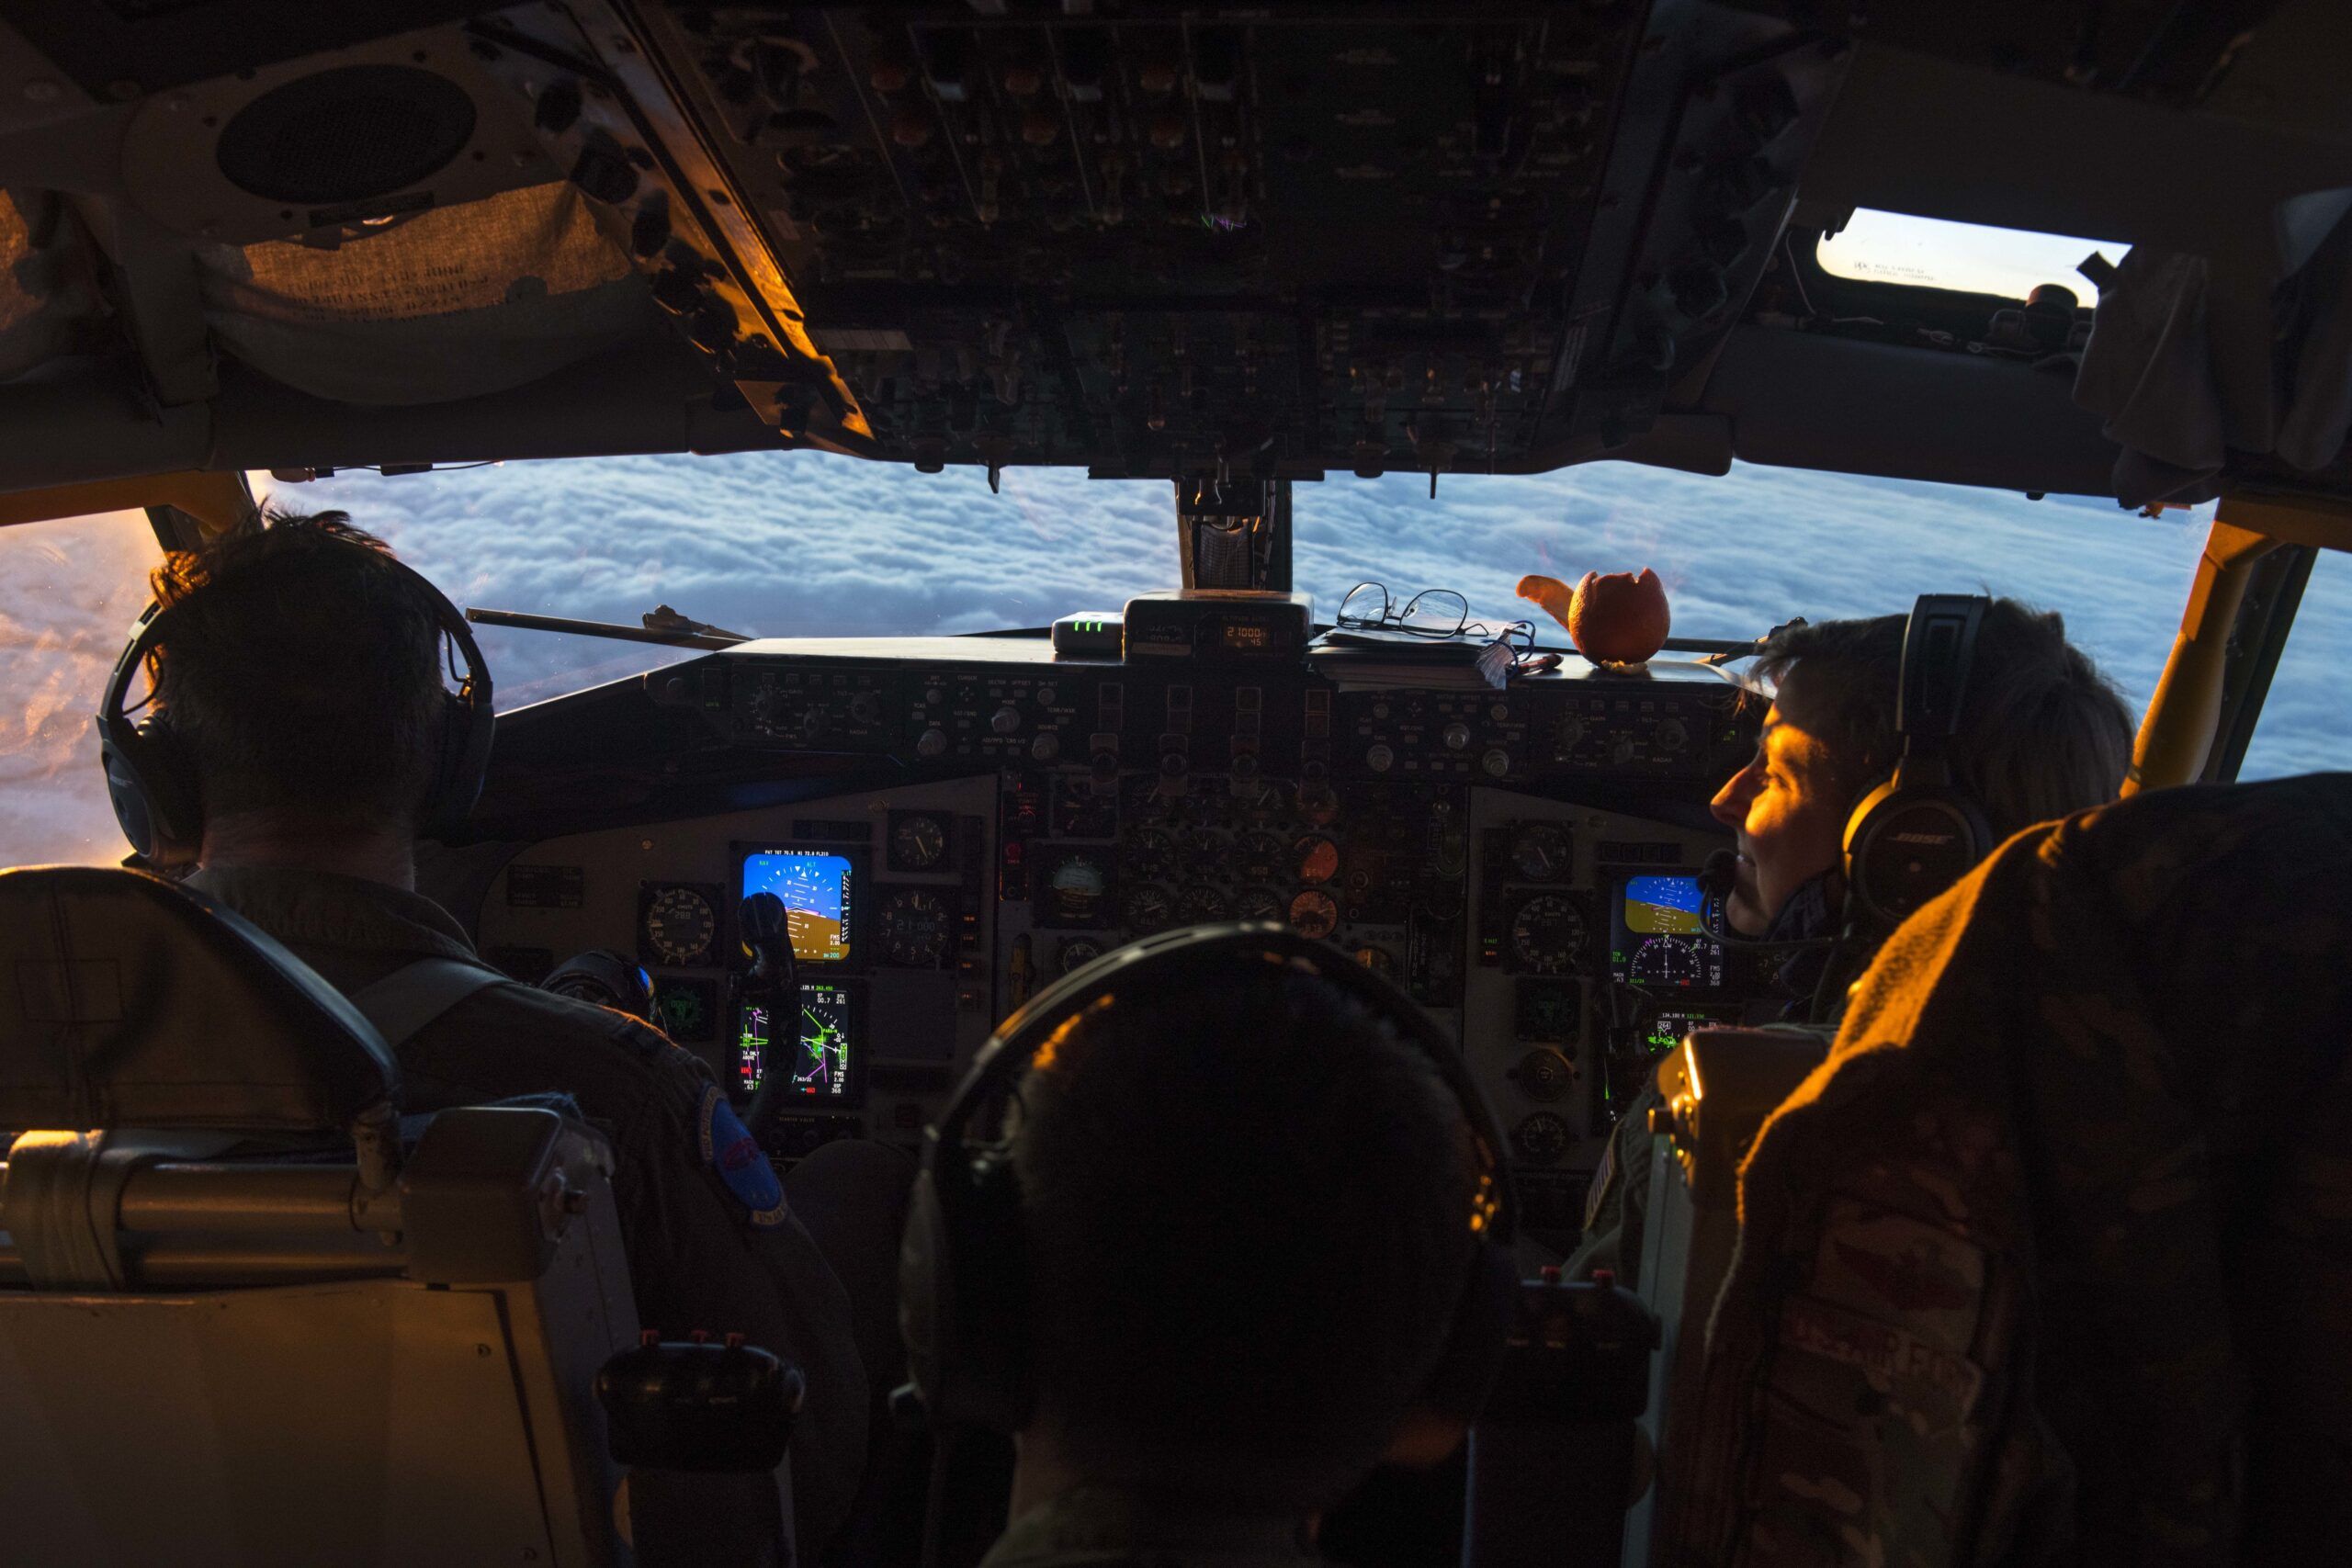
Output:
x=2031 y=732
x=1241 y=1234
x=301 y=738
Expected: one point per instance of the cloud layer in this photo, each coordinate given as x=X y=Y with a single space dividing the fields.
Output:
x=804 y=545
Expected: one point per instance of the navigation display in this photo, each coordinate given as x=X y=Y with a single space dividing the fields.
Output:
x=1658 y=937
x=819 y=1059
x=818 y=888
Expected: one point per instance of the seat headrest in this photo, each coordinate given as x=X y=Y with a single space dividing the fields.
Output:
x=130 y=1002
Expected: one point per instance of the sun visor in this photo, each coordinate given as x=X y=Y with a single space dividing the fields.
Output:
x=453 y=302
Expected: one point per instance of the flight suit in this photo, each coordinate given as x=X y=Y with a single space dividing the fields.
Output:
x=1099 y=1526
x=701 y=1254
x=2049 y=1261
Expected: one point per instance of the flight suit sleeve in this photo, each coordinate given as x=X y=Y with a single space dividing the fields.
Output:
x=1619 y=1202
x=713 y=1245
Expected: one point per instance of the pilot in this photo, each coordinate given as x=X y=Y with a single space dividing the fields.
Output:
x=299 y=677
x=1247 y=1213
x=2042 y=733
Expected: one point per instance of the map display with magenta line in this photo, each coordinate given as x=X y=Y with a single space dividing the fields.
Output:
x=820 y=1066
x=816 y=889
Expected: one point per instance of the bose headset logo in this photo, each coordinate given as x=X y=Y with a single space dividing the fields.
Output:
x=1922 y=838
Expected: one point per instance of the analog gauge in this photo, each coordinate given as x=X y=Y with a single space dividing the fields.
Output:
x=1315 y=859
x=1150 y=852
x=1076 y=889
x=1541 y=1139
x=918 y=841
x=1544 y=1074
x=1150 y=909
x=1379 y=960
x=1257 y=857
x=1257 y=904
x=1199 y=903
x=1540 y=854
x=1077 y=953
x=678 y=925
x=916 y=928
x=1662 y=961
x=1548 y=934
x=1314 y=913
x=1200 y=853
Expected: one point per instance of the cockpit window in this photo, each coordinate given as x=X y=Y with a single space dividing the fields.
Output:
x=811 y=545
x=800 y=544
x=1933 y=252
x=2305 y=728
x=69 y=590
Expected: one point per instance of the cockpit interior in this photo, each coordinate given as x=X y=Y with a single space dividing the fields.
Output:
x=1237 y=257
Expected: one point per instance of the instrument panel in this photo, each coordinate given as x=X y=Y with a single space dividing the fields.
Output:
x=1523 y=863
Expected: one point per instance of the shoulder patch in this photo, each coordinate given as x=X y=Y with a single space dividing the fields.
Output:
x=734 y=1155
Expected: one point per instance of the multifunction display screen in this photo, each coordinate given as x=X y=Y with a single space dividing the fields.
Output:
x=1658 y=938
x=818 y=1055
x=818 y=888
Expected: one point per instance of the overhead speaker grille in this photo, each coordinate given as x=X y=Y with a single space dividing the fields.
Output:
x=347 y=135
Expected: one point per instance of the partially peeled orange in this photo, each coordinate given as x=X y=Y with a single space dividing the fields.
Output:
x=1619 y=618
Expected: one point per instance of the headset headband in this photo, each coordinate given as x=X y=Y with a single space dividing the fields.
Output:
x=1009 y=1051
x=1939 y=652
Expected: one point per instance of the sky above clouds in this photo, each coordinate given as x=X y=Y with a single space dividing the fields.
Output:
x=806 y=545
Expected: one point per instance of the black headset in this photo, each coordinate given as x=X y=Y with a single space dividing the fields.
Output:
x=1918 y=831
x=962 y=1291
x=152 y=781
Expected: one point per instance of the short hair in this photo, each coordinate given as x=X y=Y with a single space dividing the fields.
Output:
x=1246 y=1209
x=2042 y=733
x=301 y=672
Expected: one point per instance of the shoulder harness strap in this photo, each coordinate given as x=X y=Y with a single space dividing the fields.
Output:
x=405 y=1001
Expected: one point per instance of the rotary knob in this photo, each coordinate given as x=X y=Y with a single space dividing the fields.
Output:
x=932 y=742
x=1046 y=747
x=865 y=707
x=1005 y=720
x=1496 y=761
x=1621 y=750
x=1670 y=735
x=1571 y=731
x=1379 y=757
x=1457 y=736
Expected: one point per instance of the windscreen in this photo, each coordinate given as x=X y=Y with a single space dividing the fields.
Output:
x=807 y=544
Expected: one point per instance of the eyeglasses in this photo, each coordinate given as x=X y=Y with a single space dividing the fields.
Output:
x=1433 y=612
x=1439 y=613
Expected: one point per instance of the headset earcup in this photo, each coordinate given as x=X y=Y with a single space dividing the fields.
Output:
x=461 y=758
x=152 y=790
x=1473 y=1358
x=963 y=1301
x=1904 y=847
x=926 y=1286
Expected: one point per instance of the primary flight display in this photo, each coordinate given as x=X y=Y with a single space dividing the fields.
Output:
x=818 y=888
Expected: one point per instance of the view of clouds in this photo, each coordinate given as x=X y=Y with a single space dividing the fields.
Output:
x=807 y=545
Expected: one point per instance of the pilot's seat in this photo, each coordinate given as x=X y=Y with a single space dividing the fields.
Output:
x=224 y=1340
x=2050 y=1260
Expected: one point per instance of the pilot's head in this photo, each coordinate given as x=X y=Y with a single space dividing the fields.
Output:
x=302 y=678
x=1246 y=1209
x=2041 y=734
